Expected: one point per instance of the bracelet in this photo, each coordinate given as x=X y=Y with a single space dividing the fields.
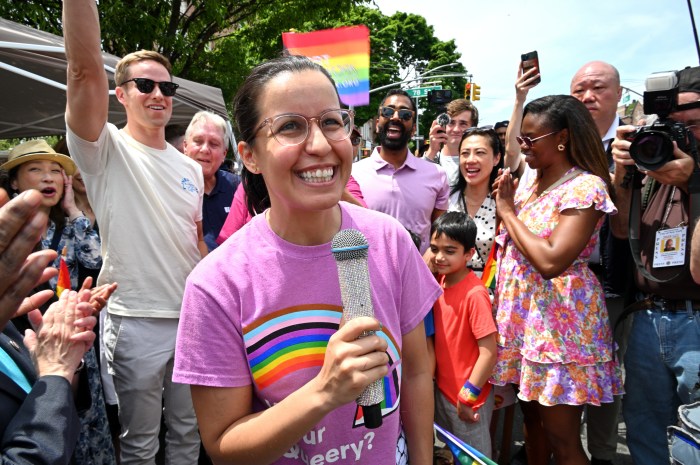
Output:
x=80 y=367
x=468 y=394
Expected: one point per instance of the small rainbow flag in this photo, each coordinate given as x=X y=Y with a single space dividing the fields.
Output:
x=63 y=282
x=463 y=452
x=344 y=52
x=488 y=276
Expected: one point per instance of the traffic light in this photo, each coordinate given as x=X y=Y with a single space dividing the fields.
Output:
x=468 y=91
x=476 y=92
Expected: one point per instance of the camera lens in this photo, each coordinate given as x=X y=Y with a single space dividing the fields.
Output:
x=651 y=149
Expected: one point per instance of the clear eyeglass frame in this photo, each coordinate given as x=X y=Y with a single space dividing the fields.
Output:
x=290 y=129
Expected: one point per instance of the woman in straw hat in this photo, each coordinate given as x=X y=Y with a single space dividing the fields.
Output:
x=35 y=165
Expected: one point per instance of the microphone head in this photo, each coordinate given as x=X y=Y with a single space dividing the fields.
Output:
x=443 y=119
x=349 y=244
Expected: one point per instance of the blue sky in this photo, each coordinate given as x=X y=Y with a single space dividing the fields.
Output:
x=639 y=37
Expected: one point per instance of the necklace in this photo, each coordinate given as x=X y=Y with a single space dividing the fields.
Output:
x=560 y=181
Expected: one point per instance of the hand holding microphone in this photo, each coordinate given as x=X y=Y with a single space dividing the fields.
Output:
x=352 y=362
x=350 y=250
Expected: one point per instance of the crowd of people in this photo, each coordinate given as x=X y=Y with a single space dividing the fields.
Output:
x=499 y=266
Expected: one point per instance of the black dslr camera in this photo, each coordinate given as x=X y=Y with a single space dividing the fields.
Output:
x=652 y=146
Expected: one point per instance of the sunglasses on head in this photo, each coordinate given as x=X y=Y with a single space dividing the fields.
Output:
x=388 y=112
x=146 y=86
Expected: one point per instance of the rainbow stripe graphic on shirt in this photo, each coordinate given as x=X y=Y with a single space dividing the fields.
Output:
x=295 y=339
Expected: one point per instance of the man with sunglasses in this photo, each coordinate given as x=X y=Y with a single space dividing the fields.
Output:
x=393 y=181
x=147 y=197
x=663 y=348
x=444 y=141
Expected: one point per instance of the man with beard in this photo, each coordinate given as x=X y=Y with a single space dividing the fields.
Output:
x=412 y=190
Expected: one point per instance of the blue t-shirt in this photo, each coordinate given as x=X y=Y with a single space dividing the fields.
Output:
x=216 y=206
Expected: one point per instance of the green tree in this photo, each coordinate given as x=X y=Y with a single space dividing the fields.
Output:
x=218 y=42
x=186 y=31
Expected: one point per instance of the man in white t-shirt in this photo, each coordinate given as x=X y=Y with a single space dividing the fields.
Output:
x=444 y=142
x=147 y=197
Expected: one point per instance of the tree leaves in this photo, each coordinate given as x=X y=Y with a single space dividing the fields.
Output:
x=218 y=42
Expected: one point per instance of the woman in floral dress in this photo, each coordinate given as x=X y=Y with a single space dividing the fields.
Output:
x=555 y=343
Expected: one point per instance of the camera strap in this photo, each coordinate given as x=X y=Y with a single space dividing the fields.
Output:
x=635 y=223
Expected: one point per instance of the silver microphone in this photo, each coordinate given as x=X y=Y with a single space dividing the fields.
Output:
x=350 y=250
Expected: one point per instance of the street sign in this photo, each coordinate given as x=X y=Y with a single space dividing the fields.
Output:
x=420 y=92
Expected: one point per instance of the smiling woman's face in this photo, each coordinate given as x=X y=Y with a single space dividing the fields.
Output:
x=476 y=160
x=42 y=175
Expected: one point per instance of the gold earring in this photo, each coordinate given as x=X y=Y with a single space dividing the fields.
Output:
x=561 y=147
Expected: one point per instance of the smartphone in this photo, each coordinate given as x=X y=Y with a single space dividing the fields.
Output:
x=530 y=60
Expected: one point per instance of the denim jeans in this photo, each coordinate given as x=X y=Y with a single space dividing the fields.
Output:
x=661 y=367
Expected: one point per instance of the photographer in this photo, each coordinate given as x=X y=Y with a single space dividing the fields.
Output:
x=662 y=359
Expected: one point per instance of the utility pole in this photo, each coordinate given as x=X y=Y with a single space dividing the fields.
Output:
x=695 y=29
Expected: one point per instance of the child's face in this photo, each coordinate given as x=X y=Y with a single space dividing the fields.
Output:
x=449 y=255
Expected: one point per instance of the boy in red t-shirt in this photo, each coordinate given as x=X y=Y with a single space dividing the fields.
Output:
x=465 y=335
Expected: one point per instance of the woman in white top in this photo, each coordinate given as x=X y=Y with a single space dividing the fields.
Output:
x=479 y=161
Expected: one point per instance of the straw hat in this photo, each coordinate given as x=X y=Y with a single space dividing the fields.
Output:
x=37 y=149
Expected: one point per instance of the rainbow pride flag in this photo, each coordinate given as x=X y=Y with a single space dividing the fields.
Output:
x=344 y=52
x=488 y=276
x=63 y=282
x=463 y=452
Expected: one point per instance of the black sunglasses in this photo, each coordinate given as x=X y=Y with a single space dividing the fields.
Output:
x=388 y=112
x=146 y=86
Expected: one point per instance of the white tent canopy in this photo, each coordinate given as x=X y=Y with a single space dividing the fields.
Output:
x=33 y=86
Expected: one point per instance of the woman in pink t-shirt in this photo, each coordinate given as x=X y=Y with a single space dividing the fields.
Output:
x=274 y=373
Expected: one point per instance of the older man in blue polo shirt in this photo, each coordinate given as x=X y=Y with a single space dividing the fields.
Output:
x=206 y=142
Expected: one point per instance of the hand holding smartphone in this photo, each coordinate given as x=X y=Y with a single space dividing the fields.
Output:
x=530 y=60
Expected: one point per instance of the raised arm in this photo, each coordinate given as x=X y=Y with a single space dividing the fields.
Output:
x=513 y=159
x=87 y=94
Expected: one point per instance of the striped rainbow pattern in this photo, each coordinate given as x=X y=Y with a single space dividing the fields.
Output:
x=488 y=277
x=295 y=339
x=63 y=281
x=344 y=52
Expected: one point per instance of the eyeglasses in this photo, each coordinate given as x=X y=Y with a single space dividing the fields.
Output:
x=355 y=140
x=292 y=129
x=388 y=112
x=146 y=86
x=529 y=142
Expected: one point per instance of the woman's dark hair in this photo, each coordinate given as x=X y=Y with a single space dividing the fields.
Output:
x=494 y=143
x=584 y=148
x=247 y=116
x=458 y=226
